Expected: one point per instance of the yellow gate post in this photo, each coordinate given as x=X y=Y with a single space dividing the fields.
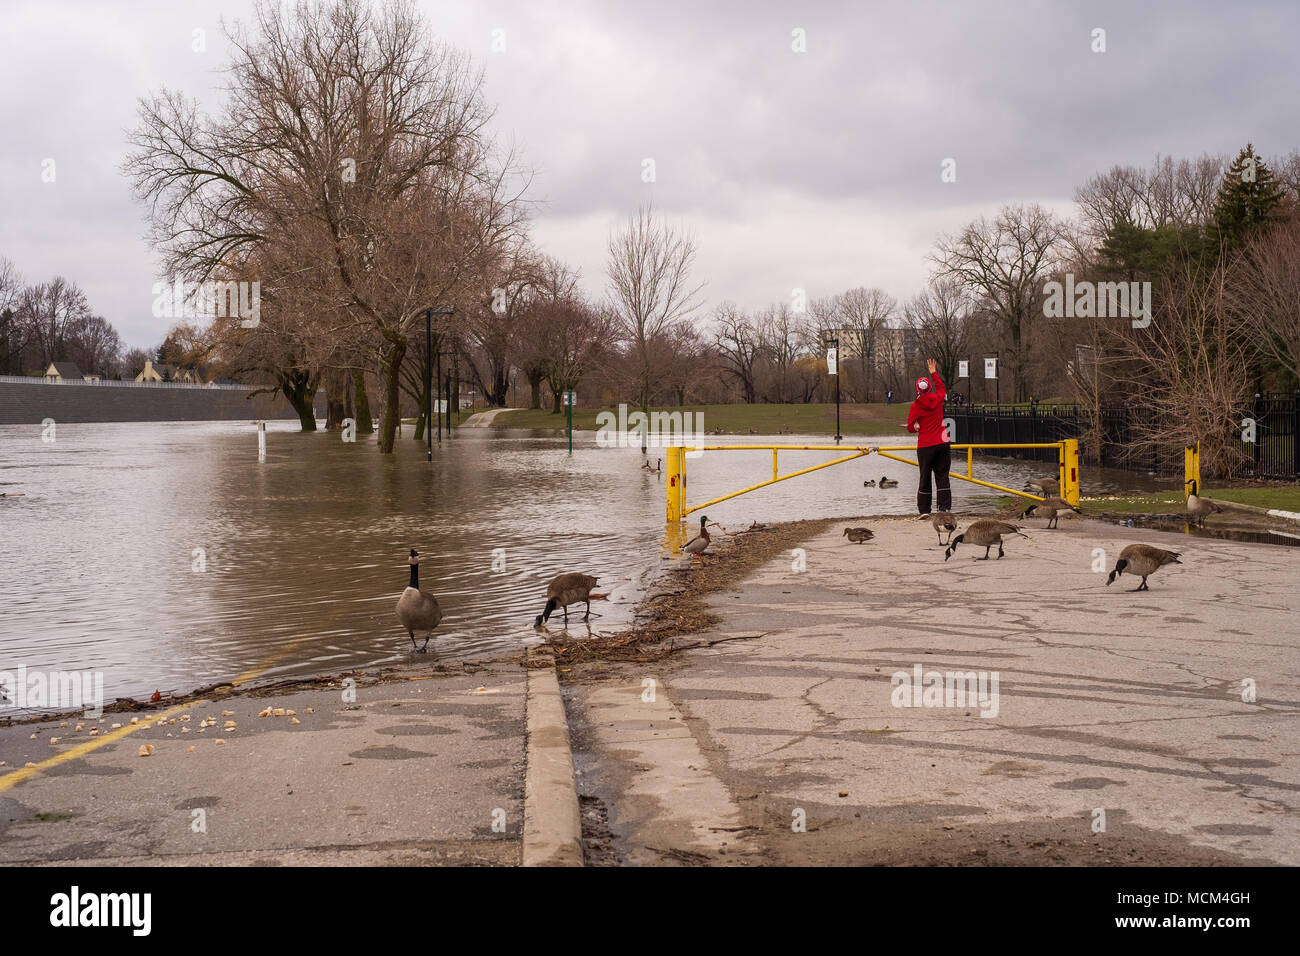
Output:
x=1191 y=469
x=675 y=485
x=1070 y=471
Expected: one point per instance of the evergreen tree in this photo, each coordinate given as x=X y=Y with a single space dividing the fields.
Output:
x=1249 y=199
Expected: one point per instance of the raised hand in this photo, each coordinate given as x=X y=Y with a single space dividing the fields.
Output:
x=930 y=364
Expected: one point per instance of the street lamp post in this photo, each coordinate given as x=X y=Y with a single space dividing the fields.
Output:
x=428 y=376
x=834 y=344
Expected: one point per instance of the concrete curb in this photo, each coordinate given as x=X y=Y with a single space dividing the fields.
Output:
x=552 y=825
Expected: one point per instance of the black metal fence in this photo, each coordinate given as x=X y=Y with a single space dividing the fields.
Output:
x=1275 y=452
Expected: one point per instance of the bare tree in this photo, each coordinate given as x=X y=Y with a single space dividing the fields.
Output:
x=1170 y=193
x=941 y=315
x=649 y=273
x=357 y=148
x=1005 y=262
x=780 y=330
x=51 y=311
x=1191 y=372
x=863 y=313
x=1266 y=287
x=739 y=348
x=14 y=333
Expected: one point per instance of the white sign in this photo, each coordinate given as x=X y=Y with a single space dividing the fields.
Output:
x=832 y=361
x=570 y=398
x=990 y=368
x=963 y=369
x=439 y=406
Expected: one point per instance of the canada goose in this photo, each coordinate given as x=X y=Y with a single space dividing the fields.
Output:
x=1051 y=509
x=942 y=521
x=697 y=545
x=858 y=535
x=1143 y=560
x=659 y=464
x=869 y=483
x=1044 y=486
x=418 y=610
x=888 y=482
x=986 y=532
x=565 y=589
x=1198 y=507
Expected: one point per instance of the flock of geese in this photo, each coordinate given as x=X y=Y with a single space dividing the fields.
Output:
x=1140 y=560
x=418 y=610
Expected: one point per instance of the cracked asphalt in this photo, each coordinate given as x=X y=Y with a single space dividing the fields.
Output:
x=408 y=772
x=1120 y=737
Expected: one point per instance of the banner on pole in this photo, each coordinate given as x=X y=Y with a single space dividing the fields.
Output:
x=990 y=368
x=832 y=361
x=963 y=369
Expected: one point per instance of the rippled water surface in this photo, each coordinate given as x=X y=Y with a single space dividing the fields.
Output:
x=304 y=554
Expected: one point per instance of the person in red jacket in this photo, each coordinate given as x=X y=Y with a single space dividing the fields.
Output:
x=933 y=454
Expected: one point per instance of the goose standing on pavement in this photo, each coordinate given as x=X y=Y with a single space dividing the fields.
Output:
x=984 y=533
x=1051 y=509
x=1144 y=561
x=418 y=610
x=942 y=521
x=700 y=543
x=1198 y=507
x=565 y=589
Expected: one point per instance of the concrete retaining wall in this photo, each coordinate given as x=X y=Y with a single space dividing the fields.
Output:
x=28 y=403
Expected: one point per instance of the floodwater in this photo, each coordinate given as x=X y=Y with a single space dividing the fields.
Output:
x=167 y=557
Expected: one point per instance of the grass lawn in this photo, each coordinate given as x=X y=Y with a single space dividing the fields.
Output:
x=1285 y=498
x=875 y=419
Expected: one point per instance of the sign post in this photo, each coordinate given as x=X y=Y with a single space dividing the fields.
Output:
x=833 y=368
x=569 y=398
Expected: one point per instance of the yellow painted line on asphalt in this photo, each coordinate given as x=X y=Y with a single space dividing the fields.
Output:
x=18 y=776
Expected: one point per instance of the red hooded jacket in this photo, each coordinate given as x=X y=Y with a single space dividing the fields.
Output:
x=925 y=417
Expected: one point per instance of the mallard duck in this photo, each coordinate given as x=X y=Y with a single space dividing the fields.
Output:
x=418 y=610
x=869 y=483
x=1142 y=560
x=858 y=535
x=1051 y=508
x=565 y=589
x=1200 y=508
x=942 y=521
x=986 y=533
x=888 y=482
x=697 y=545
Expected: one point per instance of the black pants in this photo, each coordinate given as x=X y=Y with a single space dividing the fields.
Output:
x=934 y=460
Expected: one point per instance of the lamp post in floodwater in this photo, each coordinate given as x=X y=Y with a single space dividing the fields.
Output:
x=832 y=368
x=428 y=377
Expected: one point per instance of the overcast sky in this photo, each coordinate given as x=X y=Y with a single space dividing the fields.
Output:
x=818 y=170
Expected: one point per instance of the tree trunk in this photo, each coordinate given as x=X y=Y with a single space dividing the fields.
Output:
x=335 y=403
x=392 y=395
x=299 y=388
x=365 y=424
x=535 y=383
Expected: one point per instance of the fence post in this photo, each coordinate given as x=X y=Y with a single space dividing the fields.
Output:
x=1192 y=470
x=1295 y=433
x=675 y=485
x=1070 y=471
